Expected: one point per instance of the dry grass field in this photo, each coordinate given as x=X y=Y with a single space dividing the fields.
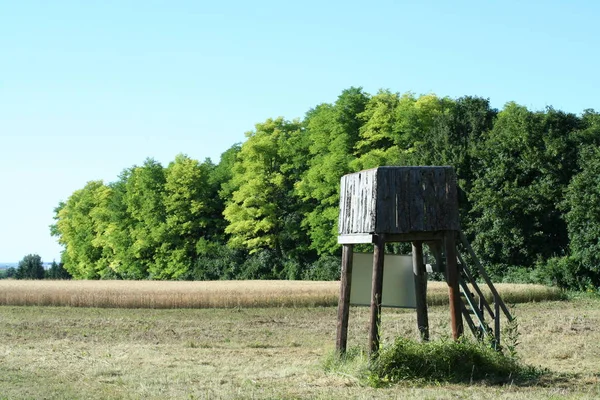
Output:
x=99 y=353
x=215 y=294
x=257 y=352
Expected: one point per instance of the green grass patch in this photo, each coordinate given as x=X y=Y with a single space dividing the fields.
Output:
x=443 y=361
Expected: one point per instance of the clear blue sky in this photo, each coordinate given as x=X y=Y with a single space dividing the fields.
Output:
x=89 y=88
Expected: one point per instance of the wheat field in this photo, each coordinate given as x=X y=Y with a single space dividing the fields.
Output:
x=214 y=294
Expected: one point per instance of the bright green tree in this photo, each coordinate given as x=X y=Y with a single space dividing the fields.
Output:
x=377 y=144
x=78 y=228
x=143 y=198
x=188 y=202
x=333 y=131
x=263 y=211
x=395 y=126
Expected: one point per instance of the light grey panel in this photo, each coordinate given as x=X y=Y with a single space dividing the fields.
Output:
x=398 y=281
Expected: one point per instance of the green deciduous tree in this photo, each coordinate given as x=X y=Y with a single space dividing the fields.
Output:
x=263 y=212
x=57 y=271
x=79 y=224
x=11 y=272
x=582 y=206
x=143 y=198
x=451 y=137
x=30 y=267
x=188 y=201
x=333 y=131
x=527 y=161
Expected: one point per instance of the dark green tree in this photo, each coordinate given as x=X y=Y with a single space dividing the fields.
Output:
x=30 y=267
x=57 y=271
x=452 y=137
x=526 y=162
x=11 y=272
x=582 y=211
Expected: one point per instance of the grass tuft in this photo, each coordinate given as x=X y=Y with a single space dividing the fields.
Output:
x=443 y=361
x=460 y=361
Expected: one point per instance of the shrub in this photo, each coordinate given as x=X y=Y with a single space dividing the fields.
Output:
x=216 y=262
x=326 y=268
x=569 y=272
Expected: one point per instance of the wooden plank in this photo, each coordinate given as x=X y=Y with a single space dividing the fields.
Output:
x=420 y=277
x=452 y=200
x=483 y=303
x=376 y=293
x=344 y=300
x=385 y=192
x=356 y=238
x=452 y=280
x=372 y=198
x=403 y=178
x=412 y=236
x=416 y=201
x=430 y=221
x=497 y=321
x=440 y=205
x=342 y=218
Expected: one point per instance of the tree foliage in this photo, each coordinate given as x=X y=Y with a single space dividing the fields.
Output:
x=57 y=271
x=332 y=131
x=582 y=202
x=30 y=267
x=526 y=161
x=269 y=208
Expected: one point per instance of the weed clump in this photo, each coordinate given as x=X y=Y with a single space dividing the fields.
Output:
x=445 y=361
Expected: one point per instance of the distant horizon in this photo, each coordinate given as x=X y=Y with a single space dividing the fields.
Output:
x=6 y=265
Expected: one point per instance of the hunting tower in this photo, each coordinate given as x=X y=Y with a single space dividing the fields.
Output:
x=417 y=205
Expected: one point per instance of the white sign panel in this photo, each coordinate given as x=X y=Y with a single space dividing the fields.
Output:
x=398 y=281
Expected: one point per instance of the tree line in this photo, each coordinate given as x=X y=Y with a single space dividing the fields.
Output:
x=529 y=194
x=32 y=267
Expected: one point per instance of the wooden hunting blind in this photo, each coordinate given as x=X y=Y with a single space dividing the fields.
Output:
x=397 y=200
x=407 y=204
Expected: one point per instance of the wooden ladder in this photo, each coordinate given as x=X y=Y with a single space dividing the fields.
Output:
x=476 y=309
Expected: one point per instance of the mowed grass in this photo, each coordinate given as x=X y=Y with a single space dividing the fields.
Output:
x=276 y=353
x=215 y=294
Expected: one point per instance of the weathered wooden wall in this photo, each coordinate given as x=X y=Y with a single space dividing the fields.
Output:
x=390 y=200
x=358 y=202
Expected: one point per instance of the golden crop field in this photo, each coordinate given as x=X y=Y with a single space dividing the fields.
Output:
x=214 y=294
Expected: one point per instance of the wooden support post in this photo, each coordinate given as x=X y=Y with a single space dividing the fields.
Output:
x=344 y=301
x=420 y=276
x=376 y=292
x=452 y=280
x=497 y=321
